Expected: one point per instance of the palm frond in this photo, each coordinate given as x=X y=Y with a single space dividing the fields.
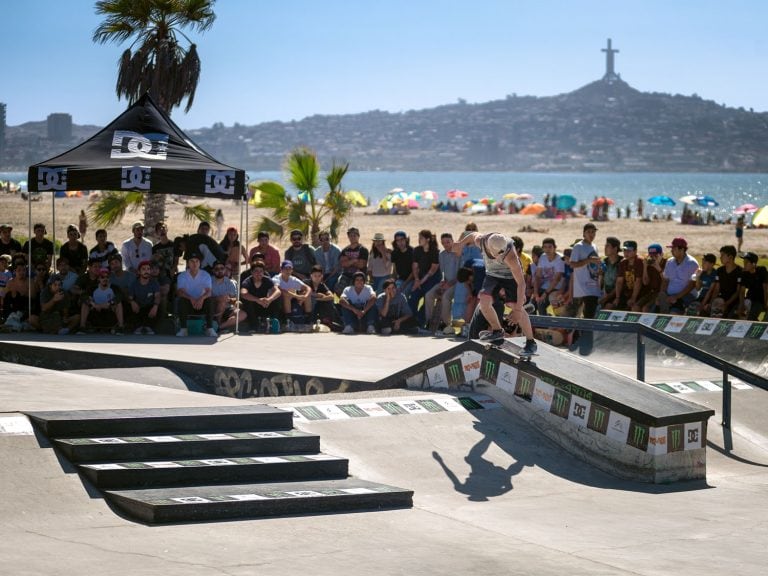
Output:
x=155 y=62
x=267 y=194
x=336 y=175
x=198 y=212
x=303 y=170
x=111 y=207
x=270 y=226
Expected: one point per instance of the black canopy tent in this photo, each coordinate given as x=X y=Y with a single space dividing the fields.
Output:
x=141 y=150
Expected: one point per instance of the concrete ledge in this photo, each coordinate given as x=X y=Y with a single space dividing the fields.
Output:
x=620 y=425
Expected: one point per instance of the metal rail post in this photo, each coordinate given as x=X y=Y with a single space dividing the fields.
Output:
x=640 y=356
x=726 y=401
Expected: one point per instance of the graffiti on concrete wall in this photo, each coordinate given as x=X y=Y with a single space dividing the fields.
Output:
x=245 y=384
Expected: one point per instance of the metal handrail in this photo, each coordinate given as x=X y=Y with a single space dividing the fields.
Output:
x=642 y=331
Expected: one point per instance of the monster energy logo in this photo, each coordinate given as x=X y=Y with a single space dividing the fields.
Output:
x=524 y=387
x=560 y=403
x=638 y=436
x=454 y=372
x=675 y=436
x=598 y=419
x=755 y=331
x=489 y=370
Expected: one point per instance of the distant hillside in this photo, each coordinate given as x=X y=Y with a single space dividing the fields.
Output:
x=603 y=126
x=600 y=127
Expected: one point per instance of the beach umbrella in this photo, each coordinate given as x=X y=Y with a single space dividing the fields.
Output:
x=746 y=209
x=603 y=201
x=761 y=217
x=565 y=202
x=454 y=194
x=661 y=201
x=707 y=201
x=396 y=190
x=429 y=195
x=699 y=200
x=414 y=196
x=524 y=196
x=487 y=201
x=511 y=196
x=533 y=209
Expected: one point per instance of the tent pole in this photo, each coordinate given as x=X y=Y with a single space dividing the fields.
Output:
x=53 y=225
x=29 y=254
x=243 y=236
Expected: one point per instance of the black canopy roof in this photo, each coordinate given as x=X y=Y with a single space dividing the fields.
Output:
x=141 y=150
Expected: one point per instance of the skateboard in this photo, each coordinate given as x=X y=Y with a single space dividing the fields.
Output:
x=499 y=345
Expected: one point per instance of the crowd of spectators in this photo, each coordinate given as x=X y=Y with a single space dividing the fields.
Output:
x=190 y=284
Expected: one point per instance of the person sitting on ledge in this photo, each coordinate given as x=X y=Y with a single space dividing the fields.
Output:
x=193 y=293
x=102 y=307
x=394 y=313
x=144 y=297
x=224 y=293
x=357 y=302
x=293 y=290
x=260 y=296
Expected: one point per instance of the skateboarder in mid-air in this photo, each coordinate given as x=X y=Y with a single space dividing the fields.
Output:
x=502 y=271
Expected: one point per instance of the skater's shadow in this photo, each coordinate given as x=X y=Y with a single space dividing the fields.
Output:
x=485 y=479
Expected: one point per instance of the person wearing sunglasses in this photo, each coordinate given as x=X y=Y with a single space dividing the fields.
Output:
x=136 y=250
x=301 y=255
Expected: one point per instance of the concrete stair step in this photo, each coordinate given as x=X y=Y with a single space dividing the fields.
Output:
x=236 y=469
x=79 y=423
x=188 y=445
x=205 y=503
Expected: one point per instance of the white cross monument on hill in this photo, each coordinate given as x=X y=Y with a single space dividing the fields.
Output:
x=610 y=74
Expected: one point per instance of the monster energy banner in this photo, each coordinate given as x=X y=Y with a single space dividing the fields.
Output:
x=142 y=150
x=691 y=324
x=581 y=407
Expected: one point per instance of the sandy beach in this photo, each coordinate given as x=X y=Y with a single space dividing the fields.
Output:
x=701 y=239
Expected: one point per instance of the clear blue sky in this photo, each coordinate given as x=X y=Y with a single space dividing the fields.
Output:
x=267 y=60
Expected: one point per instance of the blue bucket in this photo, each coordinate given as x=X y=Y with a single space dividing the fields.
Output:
x=195 y=326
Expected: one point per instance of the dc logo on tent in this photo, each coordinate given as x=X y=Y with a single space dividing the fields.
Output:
x=135 y=177
x=127 y=144
x=219 y=181
x=51 y=179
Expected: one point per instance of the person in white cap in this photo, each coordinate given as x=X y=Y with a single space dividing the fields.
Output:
x=502 y=271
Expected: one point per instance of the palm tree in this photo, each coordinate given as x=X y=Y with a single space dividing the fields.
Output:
x=155 y=62
x=305 y=212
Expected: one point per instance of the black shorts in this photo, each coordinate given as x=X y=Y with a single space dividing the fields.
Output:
x=493 y=285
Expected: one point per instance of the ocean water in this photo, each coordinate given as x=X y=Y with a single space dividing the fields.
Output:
x=730 y=190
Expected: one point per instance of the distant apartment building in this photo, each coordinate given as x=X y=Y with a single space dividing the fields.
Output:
x=2 y=133
x=60 y=127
